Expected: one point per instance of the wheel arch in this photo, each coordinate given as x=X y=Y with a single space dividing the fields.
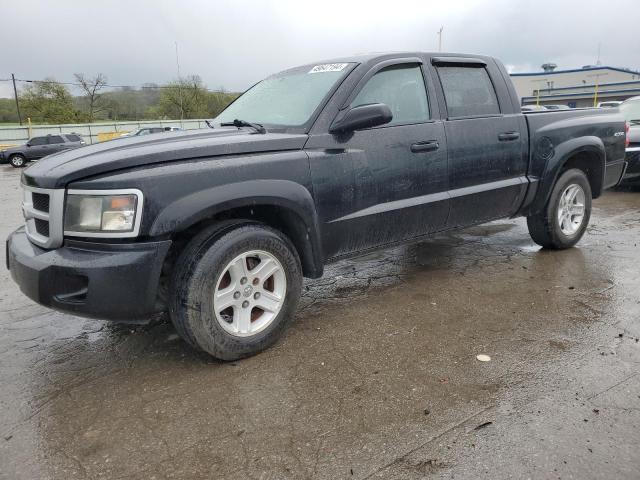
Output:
x=284 y=205
x=584 y=153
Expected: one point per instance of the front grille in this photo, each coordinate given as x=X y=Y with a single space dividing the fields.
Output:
x=42 y=227
x=43 y=211
x=40 y=201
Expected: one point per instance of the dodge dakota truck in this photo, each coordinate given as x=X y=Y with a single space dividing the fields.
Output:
x=219 y=226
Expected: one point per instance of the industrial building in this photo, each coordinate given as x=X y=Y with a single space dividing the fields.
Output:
x=582 y=87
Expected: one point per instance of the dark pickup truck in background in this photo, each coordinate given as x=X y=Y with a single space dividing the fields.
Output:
x=630 y=111
x=313 y=164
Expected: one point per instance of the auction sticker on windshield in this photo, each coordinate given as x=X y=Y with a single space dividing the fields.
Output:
x=328 y=67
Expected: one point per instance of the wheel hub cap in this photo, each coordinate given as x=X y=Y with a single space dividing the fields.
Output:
x=571 y=209
x=249 y=293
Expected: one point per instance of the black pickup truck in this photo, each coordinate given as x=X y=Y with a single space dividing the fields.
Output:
x=219 y=226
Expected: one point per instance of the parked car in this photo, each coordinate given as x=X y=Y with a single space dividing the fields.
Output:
x=320 y=162
x=557 y=107
x=533 y=108
x=148 y=130
x=38 y=147
x=609 y=104
x=630 y=110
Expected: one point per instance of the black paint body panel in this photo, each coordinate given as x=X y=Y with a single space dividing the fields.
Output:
x=105 y=281
x=348 y=193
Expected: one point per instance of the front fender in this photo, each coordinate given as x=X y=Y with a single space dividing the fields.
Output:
x=203 y=204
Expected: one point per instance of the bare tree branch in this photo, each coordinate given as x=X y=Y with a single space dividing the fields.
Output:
x=91 y=87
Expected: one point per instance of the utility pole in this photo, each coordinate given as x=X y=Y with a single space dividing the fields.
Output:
x=15 y=93
x=179 y=88
x=596 y=86
x=440 y=38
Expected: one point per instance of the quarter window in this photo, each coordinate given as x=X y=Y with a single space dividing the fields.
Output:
x=402 y=89
x=468 y=91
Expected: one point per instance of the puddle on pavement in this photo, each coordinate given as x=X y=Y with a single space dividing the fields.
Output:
x=379 y=341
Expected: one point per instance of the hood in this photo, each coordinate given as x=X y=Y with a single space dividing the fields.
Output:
x=14 y=149
x=56 y=171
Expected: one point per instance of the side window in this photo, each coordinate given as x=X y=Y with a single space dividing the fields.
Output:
x=402 y=89
x=56 y=139
x=468 y=91
x=38 y=141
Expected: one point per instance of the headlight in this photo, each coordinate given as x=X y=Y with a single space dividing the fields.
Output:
x=103 y=213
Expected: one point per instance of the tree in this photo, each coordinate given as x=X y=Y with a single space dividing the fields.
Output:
x=218 y=101
x=91 y=87
x=8 y=112
x=48 y=102
x=189 y=98
x=184 y=98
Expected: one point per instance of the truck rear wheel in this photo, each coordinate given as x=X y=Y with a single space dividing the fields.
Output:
x=234 y=291
x=563 y=221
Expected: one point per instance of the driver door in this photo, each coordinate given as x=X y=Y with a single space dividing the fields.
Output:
x=383 y=184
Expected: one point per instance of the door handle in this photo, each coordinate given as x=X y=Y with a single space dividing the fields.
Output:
x=428 y=146
x=508 y=136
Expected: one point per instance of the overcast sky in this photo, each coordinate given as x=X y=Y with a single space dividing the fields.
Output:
x=232 y=44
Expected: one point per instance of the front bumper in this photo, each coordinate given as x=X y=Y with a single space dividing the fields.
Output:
x=97 y=280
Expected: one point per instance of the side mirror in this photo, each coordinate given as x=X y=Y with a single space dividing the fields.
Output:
x=364 y=116
x=28 y=144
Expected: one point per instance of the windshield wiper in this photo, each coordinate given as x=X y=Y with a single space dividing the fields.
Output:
x=241 y=123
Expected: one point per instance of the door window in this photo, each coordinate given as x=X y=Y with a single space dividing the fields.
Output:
x=55 y=139
x=38 y=141
x=402 y=89
x=468 y=91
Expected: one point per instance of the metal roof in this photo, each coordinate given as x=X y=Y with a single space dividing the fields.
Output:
x=588 y=69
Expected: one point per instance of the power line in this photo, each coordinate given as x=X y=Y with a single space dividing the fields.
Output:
x=75 y=84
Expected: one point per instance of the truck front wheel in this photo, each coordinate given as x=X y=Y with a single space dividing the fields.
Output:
x=565 y=218
x=234 y=292
x=17 y=160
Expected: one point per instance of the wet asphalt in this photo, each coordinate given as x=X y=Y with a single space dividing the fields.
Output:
x=376 y=379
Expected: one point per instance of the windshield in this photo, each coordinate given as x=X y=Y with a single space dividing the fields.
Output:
x=631 y=111
x=287 y=99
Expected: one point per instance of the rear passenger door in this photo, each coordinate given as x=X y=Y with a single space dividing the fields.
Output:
x=487 y=154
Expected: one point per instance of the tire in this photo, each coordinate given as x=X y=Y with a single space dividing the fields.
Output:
x=17 y=161
x=222 y=266
x=558 y=225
